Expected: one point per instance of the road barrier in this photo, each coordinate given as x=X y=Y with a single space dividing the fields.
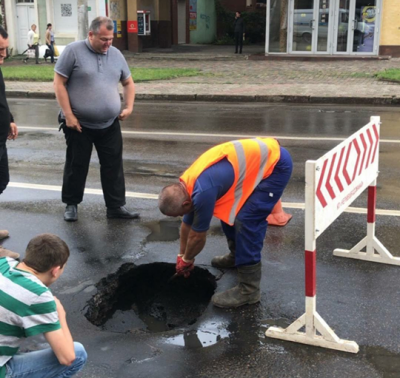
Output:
x=333 y=182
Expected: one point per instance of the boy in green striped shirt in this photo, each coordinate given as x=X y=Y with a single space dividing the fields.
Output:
x=28 y=308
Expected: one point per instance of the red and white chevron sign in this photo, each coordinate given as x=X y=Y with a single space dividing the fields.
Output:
x=344 y=172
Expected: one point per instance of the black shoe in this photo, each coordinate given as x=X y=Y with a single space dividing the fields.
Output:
x=121 y=212
x=71 y=213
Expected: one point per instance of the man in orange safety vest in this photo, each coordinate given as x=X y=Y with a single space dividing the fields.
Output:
x=238 y=182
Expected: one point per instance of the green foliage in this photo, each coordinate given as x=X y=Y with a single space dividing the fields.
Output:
x=46 y=73
x=392 y=74
x=225 y=40
x=255 y=23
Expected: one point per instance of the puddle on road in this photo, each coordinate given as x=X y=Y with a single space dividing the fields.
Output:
x=142 y=297
x=266 y=341
x=207 y=335
x=163 y=230
x=278 y=322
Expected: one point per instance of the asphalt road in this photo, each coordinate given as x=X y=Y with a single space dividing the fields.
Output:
x=359 y=300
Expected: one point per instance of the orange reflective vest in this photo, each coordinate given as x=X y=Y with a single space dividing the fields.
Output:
x=252 y=159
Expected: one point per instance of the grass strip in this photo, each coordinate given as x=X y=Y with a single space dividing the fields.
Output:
x=392 y=74
x=45 y=72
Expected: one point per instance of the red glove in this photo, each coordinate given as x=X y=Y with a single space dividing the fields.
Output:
x=184 y=268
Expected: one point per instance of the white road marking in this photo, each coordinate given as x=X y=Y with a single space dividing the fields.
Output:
x=164 y=133
x=288 y=205
x=56 y=188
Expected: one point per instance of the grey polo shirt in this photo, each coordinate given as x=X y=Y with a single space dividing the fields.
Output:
x=92 y=84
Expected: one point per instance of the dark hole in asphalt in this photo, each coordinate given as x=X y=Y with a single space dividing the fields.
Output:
x=145 y=292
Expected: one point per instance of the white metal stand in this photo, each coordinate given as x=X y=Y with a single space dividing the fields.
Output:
x=375 y=250
x=313 y=323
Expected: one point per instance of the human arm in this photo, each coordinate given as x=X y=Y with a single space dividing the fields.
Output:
x=191 y=242
x=129 y=98
x=30 y=38
x=48 y=37
x=61 y=341
x=60 y=90
x=13 y=132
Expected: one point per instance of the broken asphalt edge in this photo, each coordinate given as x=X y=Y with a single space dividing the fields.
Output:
x=293 y=99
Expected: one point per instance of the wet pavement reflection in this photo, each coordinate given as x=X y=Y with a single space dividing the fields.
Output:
x=178 y=333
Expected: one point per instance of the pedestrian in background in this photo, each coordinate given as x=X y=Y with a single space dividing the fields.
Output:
x=33 y=43
x=49 y=42
x=238 y=27
x=8 y=130
x=86 y=81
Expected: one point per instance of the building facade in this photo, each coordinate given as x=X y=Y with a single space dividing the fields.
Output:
x=333 y=27
x=138 y=24
x=62 y=14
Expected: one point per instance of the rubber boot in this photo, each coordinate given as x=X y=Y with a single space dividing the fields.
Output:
x=7 y=253
x=4 y=234
x=246 y=292
x=227 y=261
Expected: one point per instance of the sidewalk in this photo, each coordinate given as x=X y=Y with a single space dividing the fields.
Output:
x=229 y=77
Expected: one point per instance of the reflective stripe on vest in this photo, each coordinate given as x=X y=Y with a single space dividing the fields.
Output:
x=250 y=165
x=242 y=172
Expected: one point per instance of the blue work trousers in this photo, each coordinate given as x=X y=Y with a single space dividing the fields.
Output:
x=44 y=364
x=250 y=227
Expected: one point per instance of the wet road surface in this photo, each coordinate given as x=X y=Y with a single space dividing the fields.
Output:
x=359 y=300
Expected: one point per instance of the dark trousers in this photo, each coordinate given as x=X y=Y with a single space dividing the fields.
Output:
x=238 y=41
x=37 y=53
x=250 y=227
x=36 y=48
x=108 y=143
x=51 y=48
x=4 y=173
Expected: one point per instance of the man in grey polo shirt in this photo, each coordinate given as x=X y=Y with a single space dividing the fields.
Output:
x=86 y=85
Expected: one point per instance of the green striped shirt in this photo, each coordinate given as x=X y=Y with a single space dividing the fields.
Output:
x=27 y=308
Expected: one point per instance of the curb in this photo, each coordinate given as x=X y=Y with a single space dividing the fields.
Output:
x=25 y=94
x=292 y=99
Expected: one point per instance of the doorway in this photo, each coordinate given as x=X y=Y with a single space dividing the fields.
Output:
x=181 y=21
x=348 y=27
x=25 y=18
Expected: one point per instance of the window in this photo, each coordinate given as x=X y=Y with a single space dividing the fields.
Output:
x=278 y=26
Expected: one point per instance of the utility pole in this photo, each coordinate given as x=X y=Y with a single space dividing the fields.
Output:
x=83 y=20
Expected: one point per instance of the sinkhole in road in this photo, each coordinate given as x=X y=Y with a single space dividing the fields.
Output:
x=143 y=296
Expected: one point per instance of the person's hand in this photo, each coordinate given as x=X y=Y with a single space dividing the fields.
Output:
x=124 y=114
x=13 y=133
x=60 y=308
x=73 y=123
x=183 y=268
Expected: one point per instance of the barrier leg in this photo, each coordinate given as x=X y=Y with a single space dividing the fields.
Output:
x=316 y=330
x=375 y=251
